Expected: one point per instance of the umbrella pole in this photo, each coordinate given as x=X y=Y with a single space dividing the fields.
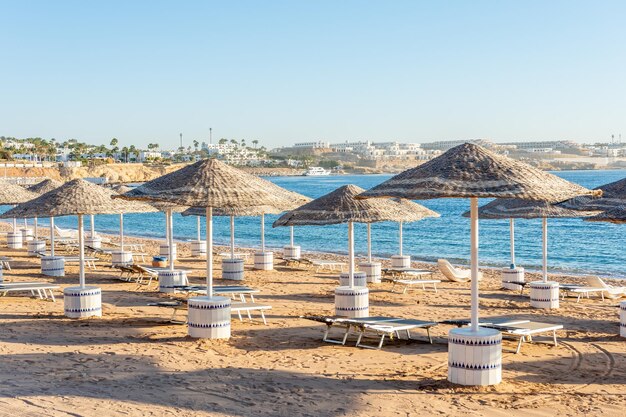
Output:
x=209 y=252
x=170 y=241
x=167 y=227
x=121 y=232
x=400 y=236
x=93 y=226
x=262 y=232
x=198 y=227
x=512 y=228
x=474 y=260
x=544 y=226
x=51 y=236
x=369 y=243
x=351 y=253
x=35 y=237
x=291 y=235
x=81 y=252
x=14 y=224
x=232 y=237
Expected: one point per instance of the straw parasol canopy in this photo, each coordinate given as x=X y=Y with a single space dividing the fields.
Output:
x=210 y=183
x=76 y=197
x=615 y=215
x=515 y=208
x=342 y=206
x=45 y=186
x=14 y=194
x=470 y=170
x=613 y=195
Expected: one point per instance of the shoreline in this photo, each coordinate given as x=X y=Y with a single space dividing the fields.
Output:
x=338 y=255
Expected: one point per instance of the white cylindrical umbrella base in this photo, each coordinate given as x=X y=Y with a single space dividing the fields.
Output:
x=14 y=240
x=170 y=280
x=121 y=258
x=474 y=358
x=82 y=302
x=198 y=248
x=53 y=266
x=372 y=271
x=27 y=235
x=164 y=251
x=512 y=275
x=209 y=318
x=264 y=261
x=622 y=319
x=292 y=252
x=35 y=246
x=94 y=242
x=360 y=279
x=232 y=269
x=352 y=302
x=544 y=294
x=400 y=261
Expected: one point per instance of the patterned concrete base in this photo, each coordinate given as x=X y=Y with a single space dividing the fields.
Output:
x=360 y=279
x=121 y=257
x=94 y=242
x=474 y=358
x=512 y=275
x=165 y=251
x=622 y=319
x=264 y=261
x=372 y=271
x=82 y=302
x=232 y=269
x=53 y=266
x=14 y=240
x=35 y=247
x=400 y=261
x=198 y=248
x=544 y=294
x=209 y=318
x=292 y=252
x=352 y=302
x=169 y=280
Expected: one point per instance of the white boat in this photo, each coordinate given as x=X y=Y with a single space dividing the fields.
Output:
x=316 y=171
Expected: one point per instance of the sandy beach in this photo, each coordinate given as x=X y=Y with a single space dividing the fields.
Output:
x=134 y=361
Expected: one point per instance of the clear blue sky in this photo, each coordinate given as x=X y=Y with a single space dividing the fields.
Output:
x=285 y=71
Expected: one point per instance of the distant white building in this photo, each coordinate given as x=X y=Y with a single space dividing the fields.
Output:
x=320 y=144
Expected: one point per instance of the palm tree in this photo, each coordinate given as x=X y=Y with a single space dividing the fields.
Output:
x=113 y=142
x=125 y=154
x=223 y=141
x=195 y=145
x=255 y=143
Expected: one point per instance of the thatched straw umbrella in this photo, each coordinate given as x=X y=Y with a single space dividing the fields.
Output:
x=513 y=208
x=41 y=188
x=615 y=215
x=78 y=197
x=11 y=194
x=340 y=206
x=470 y=171
x=211 y=184
x=613 y=195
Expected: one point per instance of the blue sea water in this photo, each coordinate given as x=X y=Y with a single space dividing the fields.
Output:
x=574 y=246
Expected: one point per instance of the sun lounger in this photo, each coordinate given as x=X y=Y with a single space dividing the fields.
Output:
x=378 y=326
x=299 y=262
x=520 y=329
x=66 y=233
x=236 y=255
x=5 y=262
x=580 y=291
x=90 y=261
x=455 y=274
x=405 y=272
x=237 y=307
x=397 y=273
x=321 y=264
x=526 y=331
x=126 y=272
x=43 y=290
x=609 y=290
x=143 y=272
x=233 y=291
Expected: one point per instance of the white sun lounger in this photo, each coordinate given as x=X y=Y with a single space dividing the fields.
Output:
x=610 y=291
x=236 y=255
x=90 y=261
x=43 y=290
x=5 y=262
x=580 y=291
x=248 y=308
x=321 y=264
x=411 y=282
x=378 y=326
x=455 y=274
